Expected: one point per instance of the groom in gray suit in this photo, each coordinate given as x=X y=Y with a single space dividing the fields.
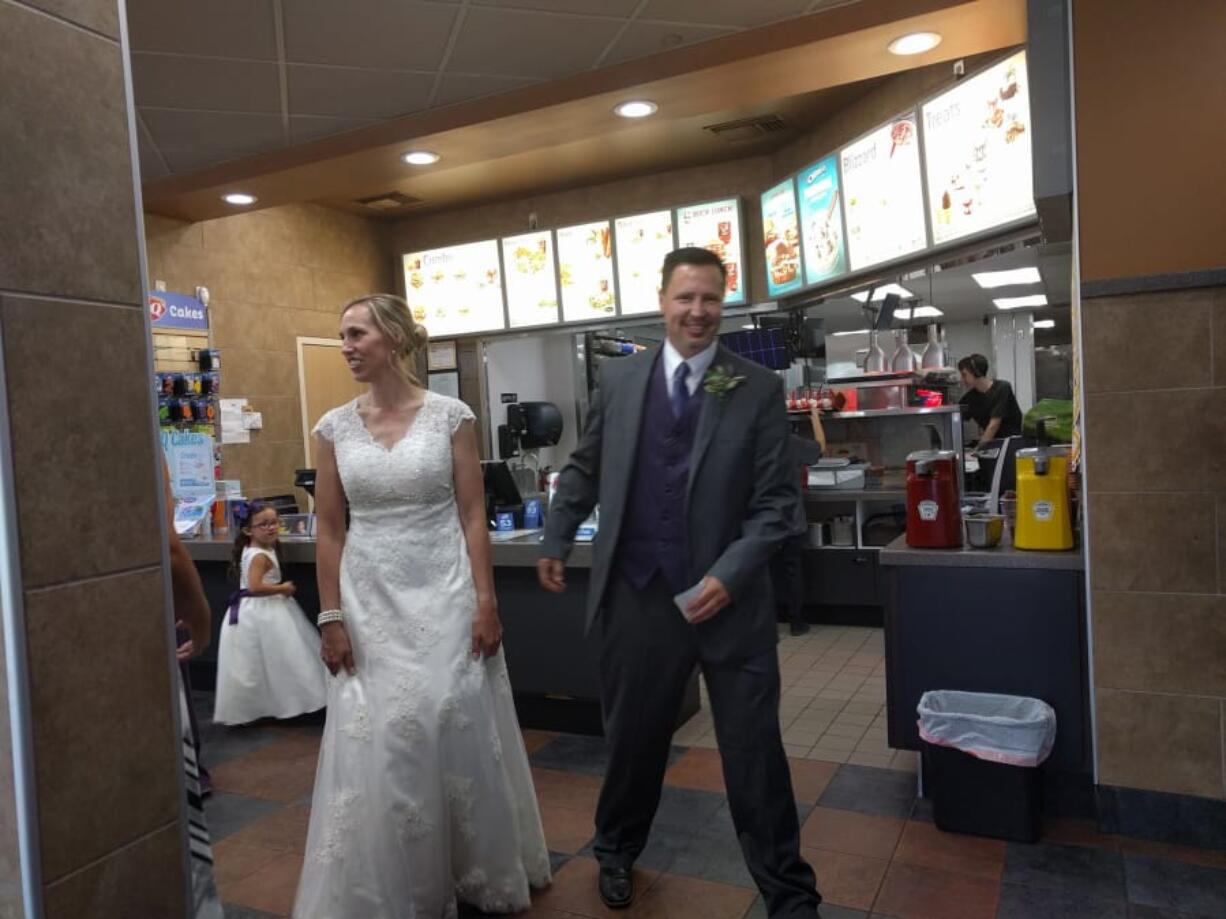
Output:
x=686 y=452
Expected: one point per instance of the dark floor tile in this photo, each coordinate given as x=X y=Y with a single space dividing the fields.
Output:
x=1017 y=902
x=557 y=860
x=883 y=792
x=1178 y=819
x=243 y=912
x=219 y=744
x=1097 y=874
x=227 y=814
x=758 y=911
x=1137 y=911
x=1175 y=885
x=687 y=809
x=923 y=810
x=714 y=854
x=580 y=753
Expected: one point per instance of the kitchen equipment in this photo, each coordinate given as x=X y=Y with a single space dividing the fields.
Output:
x=1008 y=507
x=843 y=531
x=837 y=472
x=904 y=357
x=1044 y=520
x=934 y=513
x=934 y=355
x=876 y=360
x=983 y=531
x=817 y=534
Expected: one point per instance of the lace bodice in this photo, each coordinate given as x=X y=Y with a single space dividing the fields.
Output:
x=272 y=576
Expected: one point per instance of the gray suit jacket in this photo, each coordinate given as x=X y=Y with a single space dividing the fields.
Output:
x=742 y=490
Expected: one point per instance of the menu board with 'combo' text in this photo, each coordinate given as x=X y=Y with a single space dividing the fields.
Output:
x=642 y=242
x=585 y=268
x=977 y=152
x=532 y=282
x=716 y=226
x=455 y=290
x=884 y=200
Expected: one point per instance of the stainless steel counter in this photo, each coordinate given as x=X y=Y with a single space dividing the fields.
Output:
x=1002 y=556
x=516 y=553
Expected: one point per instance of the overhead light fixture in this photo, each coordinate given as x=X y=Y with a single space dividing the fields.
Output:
x=238 y=198
x=914 y=43
x=925 y=312
x=636 y=108
x=852 y=332
x=881 y=293
x=749 y=325
x=991 y=279
x=421 y=157
x=1045 y=323
x=1017 y=303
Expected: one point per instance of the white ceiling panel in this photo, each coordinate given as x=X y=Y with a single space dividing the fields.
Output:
x=344 y=91
x=386 y=34
x=615 y=8
x=234 y=133
x=173 y=81
x=646 y=38
x=523 y=44
x=741 y=13
x=459 y=87
x=219 y=28
x=303 y=128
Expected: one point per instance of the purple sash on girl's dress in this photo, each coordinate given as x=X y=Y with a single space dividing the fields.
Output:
x=235 y=601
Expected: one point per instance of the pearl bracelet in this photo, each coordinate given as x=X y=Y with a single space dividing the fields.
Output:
x=329 y=615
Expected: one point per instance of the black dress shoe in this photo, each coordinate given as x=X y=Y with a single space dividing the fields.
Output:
x=616 y=887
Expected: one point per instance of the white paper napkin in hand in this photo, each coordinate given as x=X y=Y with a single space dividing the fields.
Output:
x=685 y=598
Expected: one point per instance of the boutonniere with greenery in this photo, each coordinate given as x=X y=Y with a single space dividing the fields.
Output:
x=720 y=381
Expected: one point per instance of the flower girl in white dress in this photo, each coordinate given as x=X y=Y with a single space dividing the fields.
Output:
x=268 y=659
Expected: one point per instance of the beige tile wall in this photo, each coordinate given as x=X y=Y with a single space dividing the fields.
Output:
x=272 y=276
x=1155 y=437
x=76 y=381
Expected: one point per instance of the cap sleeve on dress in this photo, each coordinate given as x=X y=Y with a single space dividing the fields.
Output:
x=326 y=426
x=459 y=412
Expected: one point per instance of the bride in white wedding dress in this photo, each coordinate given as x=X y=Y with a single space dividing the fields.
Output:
x=423 y=795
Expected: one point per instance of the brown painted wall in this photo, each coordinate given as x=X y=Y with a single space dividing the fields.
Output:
x=1150 y=95
x=107 y=767
x=272 y=276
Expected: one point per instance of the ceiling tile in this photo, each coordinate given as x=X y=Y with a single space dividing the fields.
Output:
x=724 y=12
x=193 y=159
x=347 y=92
x=303 y=128
x=151 y=166
x=544 y=45
x=172 y=81
x=644 y=38
x=221 y=28
x=230 y=133
x=616 y=8
x=460 y=87
x=380 y=34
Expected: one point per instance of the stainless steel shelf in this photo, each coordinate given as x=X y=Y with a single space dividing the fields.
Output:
x=833 y=495
x=882 y=412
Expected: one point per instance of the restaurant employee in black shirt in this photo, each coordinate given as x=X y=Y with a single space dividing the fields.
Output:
x=989 y=402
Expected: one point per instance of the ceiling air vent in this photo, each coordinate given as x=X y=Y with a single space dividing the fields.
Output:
x=391 y=201
x=747 y=129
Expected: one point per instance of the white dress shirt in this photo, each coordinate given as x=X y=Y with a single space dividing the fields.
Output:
x=699 y=364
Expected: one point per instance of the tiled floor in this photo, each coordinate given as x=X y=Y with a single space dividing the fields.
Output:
x=872 y=844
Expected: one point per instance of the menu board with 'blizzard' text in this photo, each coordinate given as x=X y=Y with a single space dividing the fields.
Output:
x=821 y=221
x=883 y=194
x=977 y=152
x=531 y=281
x=781 y=239
x=456 y=290
x=642 y=242
x=716 y=226
x=585 y=268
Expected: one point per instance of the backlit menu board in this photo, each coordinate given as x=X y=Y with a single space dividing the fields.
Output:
x=821 y=221
x=585 y=267
x=531 y=280
x=883 y=197
x=642 y=242
x=716 y=225
x=977 y=151
x=456 y=290
x=781 y=239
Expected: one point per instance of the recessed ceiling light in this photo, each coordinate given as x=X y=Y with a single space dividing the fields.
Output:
x=914 y=43
x=1045 y=323
x=924 y=312
x=1017 y=303
x=881 y=292
x=421 y=158
x=1007 y=278
x=238 y=198
x=637 y=108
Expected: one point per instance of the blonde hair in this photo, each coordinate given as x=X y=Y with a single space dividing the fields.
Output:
x=394 y=320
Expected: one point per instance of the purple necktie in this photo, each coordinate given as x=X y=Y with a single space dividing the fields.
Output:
x=681 y=392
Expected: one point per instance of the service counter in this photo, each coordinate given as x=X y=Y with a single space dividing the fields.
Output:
x=553 y=665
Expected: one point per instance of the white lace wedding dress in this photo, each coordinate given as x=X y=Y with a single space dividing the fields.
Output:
x=423 y=793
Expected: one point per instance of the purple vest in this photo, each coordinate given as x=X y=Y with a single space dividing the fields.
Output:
x=654 y=534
